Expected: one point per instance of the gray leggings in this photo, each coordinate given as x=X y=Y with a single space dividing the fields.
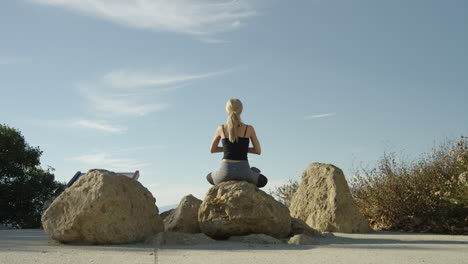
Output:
x=237 y=171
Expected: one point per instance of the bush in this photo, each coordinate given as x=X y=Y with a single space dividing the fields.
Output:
x=426 y=195
x=285 y=192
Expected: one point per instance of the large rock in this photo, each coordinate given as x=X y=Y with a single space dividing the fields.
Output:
x=185 y=217
x=103 y=207
x=324 y=202
x=240 y=208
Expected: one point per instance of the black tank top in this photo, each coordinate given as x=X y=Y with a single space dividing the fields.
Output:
x=237 y=150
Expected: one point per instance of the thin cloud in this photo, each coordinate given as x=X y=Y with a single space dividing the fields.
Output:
x=319 y=116
x=127 y=79
x=147 y=92
x=100 y=125
x=193 y=17
x=123 y=107
x=106 y=161
x=135 y=93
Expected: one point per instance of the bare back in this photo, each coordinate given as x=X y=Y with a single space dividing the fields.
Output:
x=244 y=130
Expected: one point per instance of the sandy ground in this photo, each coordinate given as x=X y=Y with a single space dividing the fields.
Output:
x=33 y=246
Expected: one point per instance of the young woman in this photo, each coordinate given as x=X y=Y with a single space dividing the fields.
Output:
x=235 y=137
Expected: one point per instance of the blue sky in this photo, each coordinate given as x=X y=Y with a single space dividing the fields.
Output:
x=125 y=85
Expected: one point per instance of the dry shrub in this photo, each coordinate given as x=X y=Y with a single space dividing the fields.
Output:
x=426 y=195
x=285 y=192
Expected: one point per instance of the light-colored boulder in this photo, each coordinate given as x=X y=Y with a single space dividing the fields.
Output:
x=256 y=239
x=103 y=207
x=239 y=208
x=300 y=227
x=178 y=238
x=185 y=217
x=324 y=202
x=302 y=239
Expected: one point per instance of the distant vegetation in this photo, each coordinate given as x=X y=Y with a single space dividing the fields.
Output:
x=429 y=194
x=24 y=186
x=285 y=192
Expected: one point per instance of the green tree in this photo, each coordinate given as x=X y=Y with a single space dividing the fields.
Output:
x=24 y=186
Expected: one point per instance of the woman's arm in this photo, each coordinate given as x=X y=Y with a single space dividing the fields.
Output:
x=256 y=144
x=215 y=142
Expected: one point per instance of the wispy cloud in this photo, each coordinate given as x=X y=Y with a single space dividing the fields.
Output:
x=135 y=93
x=105 y=160
x=128 y=79
x=319 y=116
x=130 y=105
x=13 y=60
x=193 y=17
x=100 y=125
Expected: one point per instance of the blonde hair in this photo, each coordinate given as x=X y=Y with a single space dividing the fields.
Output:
x=234 y=110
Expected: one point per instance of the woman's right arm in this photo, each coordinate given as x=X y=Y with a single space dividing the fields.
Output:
x=256 y=144
x=215 y=148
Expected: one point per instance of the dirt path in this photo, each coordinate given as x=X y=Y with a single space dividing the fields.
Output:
x=33 y=246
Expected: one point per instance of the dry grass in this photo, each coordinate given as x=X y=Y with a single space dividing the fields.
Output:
x=426 y=195
x=285 y=192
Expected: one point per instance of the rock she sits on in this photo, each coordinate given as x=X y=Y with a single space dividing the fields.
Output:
x=236 y=208
x=324 y=202
x=103 y=207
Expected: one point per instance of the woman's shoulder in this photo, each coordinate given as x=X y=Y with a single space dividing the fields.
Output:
x=249 y=126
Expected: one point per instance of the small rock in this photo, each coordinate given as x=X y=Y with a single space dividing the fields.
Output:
x=302 y=239
x=300 y=227
x=256 y=239
x=185 y=217
x=327 y=235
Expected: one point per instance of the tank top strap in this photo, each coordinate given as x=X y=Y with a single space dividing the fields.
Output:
x=246 y=127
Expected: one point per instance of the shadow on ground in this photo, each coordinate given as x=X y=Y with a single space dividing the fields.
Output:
x=35 y=239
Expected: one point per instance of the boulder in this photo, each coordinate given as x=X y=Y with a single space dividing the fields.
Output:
x=236 y=208
x=185 y=217
x=178 y=238
x=256 y=239
x=103 y=207
x=300 y=227
x=324 y=202
x=302 y=239
x=165 y=214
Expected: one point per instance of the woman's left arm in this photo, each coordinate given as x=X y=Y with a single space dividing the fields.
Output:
x=215 y=148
